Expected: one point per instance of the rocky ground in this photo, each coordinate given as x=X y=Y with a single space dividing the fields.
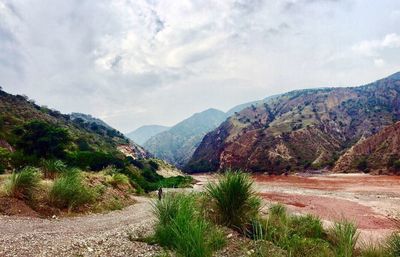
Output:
x=108 y=234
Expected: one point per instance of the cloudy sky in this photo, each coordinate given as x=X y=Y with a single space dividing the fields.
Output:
x=136 y=62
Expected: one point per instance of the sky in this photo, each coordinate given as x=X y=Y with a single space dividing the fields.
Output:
x=137 y=62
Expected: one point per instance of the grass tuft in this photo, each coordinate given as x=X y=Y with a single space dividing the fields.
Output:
x=69 y=190
x=343 y=236
x=393 y=245
x=22 y=184
x=181 y=228
x=235 y=200
x=53 y=168
x=117 y=179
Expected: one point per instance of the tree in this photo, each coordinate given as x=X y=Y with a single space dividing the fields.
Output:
x=42 y=139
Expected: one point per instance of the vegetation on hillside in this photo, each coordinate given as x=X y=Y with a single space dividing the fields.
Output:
x=42 y=146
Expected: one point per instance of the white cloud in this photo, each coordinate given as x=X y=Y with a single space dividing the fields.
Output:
x=134 y=62
x=372 y=47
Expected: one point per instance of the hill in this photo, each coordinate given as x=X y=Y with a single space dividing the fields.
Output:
x=379 y=153
x=177 y=144
x=144 y=133
x=299 y=130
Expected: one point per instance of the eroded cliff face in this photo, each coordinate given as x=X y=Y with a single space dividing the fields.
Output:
x=378 y=153
x=300 y=129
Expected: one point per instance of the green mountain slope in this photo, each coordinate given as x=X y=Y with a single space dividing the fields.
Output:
x=177 y=144
x=144 y=133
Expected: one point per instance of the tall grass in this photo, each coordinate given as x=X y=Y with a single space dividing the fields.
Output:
x=70 y=190
x=235 y=200
x=22 y=184
x=298 y=235
x=117 y=179
x=393 y=245
x=343 y=236
x=181 y=228
x=53 y=168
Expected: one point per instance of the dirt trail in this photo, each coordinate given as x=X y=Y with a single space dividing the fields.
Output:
x=91 y=235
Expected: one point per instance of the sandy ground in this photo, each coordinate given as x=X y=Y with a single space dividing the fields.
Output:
x=372 y=202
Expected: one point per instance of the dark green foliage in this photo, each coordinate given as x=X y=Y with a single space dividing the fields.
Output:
x=70 y=191
x=181 y=227
x=41 y=139
x=5 y=159
x=362 y=164
x=234 y=198
x=94 y=161
x=22 y=184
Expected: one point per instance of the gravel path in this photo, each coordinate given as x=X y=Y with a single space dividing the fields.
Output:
x=91 y=235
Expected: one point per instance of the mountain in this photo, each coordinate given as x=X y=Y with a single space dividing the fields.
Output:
x=299 y=130
x=177 y=144
x=379 y=153
x=144 y=133
x=86 y=133
x=86 y=118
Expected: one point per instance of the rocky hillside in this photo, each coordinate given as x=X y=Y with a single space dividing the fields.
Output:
x=300 y=129
x=144 y=133
x=379 y=153
x=177 y=144
x=86 y=132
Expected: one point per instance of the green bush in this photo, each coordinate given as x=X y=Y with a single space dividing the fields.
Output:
x=52 y=168
x=234 y=198
x=94 y=161
x=343 y=236
x=22 y=184
x=181 y=227
x=41 y=139
x=70 y=191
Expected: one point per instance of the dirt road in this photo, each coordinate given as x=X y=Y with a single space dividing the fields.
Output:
x=91 y=235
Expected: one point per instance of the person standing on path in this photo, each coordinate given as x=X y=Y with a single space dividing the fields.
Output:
x=160 y=192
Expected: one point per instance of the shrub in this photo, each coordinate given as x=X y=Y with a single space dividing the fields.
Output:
x=234 y=198
x=52 y=168
x=22 y=184
x=70 y=191
x=343 y=236
x=93 y=160
x=307 y=226
x=118 y=179
x=362 y=164
x=181 y=228
x=393 y=245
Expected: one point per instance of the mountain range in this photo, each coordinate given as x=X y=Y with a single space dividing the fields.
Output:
x=144 y=133
x=299 y=130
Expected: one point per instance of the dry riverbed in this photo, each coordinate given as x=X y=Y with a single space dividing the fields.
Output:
x=372 y=202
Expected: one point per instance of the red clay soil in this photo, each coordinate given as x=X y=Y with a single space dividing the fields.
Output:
x=16 y=207
x=330 y=208
x=357 y=183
